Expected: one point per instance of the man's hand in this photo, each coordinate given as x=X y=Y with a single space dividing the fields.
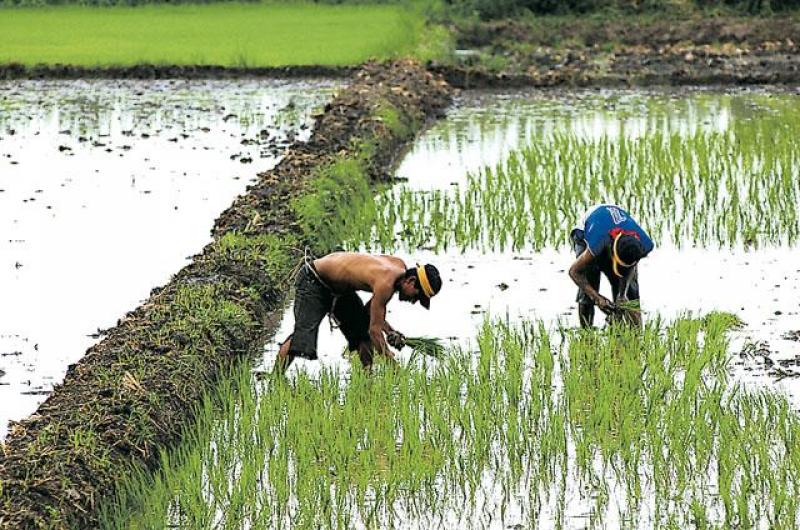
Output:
x=604 y=304
x=396 y=339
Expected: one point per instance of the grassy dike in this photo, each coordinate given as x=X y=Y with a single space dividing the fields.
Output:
x=136 y=392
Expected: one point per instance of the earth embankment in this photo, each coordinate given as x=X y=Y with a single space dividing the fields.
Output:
x=134 y=393
x=602 y=51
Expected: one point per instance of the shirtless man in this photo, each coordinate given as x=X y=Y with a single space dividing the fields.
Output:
x=329 y=284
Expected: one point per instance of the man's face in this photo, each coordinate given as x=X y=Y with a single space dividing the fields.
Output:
x=408 y=292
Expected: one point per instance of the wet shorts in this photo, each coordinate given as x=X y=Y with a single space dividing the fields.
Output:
x=600 y=264
x=312 y=302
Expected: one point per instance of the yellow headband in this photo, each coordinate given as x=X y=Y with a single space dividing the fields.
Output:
x=423 y=281
x=615 y=261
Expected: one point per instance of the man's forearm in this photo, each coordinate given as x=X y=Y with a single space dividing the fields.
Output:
x=583 y=284
x=626 y=283
x=379 y=341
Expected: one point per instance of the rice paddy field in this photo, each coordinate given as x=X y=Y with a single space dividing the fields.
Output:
x=106 y=187
x=228 y=34
x=527 y=421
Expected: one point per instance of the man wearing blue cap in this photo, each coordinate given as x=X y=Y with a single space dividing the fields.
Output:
x=608 y=240
x=328 y=285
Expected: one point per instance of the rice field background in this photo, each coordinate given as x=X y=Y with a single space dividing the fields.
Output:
x=227 y=34
x=105 y=188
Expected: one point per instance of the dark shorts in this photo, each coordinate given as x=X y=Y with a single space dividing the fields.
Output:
x=601 y=264
x=312 y=302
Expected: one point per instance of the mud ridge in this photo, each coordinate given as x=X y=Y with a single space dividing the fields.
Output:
x=135 y=393
x=619 y=52
x=151 y=71
x=779 y=72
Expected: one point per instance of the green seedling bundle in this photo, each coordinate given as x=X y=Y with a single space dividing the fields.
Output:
x=430 y=346
x=639 y=426
x=738 y=185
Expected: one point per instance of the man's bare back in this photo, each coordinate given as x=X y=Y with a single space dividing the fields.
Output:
x=347 y=271
x=329 y=285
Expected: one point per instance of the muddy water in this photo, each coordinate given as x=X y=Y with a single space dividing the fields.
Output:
x=760 y=286
x=105 y=188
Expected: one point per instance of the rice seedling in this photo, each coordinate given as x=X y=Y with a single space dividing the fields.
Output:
x=430 y=346
x=735 y=186
x=526 y=426
x=231 y=34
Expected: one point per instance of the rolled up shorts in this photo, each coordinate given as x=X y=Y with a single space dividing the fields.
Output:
x=600 y=264
x=312 y=302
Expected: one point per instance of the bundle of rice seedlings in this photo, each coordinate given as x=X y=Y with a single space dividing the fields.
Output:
x=426 y=345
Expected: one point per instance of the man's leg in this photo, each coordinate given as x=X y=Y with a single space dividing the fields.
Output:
x=312 y=302
x=285 y=357
x=632 y=316
x=365 y=354
x=353 y=318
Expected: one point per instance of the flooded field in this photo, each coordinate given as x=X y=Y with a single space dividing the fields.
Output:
x=491 y=193
x=106 y=187
x=528 y=422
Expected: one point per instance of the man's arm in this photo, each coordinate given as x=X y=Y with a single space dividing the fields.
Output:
x=386 y=327
x=633 y=315
x=394 y=338
x=578 y=274
x=381 y=295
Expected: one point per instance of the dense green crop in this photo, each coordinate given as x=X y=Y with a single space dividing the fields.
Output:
x=522 y=420
x=230 y=34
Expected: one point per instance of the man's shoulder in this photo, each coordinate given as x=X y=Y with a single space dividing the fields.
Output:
x=392 y=262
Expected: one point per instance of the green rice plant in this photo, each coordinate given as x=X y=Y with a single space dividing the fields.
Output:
x=224 y=34
x=430 y=346
x=735 y=186
x=642 y=426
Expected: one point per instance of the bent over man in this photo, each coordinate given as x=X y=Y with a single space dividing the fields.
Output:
x=328 y=285
x=610 y=241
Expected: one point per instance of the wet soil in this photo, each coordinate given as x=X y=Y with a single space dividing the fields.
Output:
x=128 y=176
x=152 y=71
x=135 y=392
x=597 y=52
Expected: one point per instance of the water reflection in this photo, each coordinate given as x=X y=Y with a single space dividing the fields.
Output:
x=105 y=188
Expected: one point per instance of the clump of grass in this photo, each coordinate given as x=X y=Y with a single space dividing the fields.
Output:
x=646 y=417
